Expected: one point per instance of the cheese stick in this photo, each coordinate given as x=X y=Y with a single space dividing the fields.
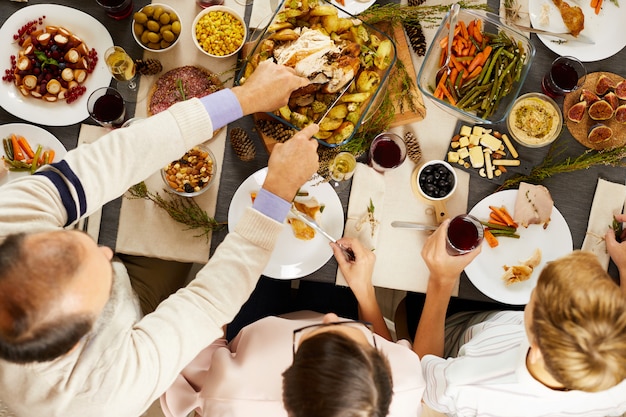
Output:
x=506 y=162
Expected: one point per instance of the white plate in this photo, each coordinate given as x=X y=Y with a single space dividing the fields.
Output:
x=486 y=271
x=606 y=29
x=85 y=27
x=35 y=136
x=353 y=7
x=292 y=257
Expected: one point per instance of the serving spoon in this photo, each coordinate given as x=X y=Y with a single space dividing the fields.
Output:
x=445 y=69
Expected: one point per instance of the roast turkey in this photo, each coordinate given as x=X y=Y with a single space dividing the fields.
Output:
x=533 y=205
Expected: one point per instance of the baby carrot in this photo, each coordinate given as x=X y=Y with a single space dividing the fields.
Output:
x=21 y=140
x=18 y=154
x=598 y=7
x=51 y=156
x=594 y=3
x=490 y=238
x=503 y=215
x=475 y=62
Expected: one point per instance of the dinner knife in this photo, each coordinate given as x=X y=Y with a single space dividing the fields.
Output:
x=565 y=36
x=331 y=105
x=347 y=252
x=412 y=225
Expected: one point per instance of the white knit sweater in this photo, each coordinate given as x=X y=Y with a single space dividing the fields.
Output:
x=127 y=361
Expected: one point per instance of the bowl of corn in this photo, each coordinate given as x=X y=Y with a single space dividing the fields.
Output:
x=192 y=174
x=219 y=31
x=156 y=27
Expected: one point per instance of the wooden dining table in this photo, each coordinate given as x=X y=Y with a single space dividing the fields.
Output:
x=572 y=192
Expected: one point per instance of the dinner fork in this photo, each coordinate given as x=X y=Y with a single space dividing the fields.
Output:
x=566 y=36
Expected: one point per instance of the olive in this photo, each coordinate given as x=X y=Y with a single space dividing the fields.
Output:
x=140 y=18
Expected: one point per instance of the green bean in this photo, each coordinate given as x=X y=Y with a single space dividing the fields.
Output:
x=35 y=164
x=8 y=148
x=18 y=165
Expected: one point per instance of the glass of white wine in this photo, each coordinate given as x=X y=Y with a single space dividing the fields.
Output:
x=122 y=67
x=341 y=169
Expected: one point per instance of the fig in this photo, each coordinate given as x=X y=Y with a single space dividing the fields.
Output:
x=589 y=96
x=577 y=111
x=599 y=133
x=601 y=110
x=620 y=114
x=620 y=90
x=612 y=99
x=604 y=84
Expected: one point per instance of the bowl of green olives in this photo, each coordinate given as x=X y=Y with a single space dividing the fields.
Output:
x=157 y=27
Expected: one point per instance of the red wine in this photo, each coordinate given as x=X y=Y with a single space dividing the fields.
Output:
x=117 y=9
x=564 y=76
x=108 y=108
x=464 y=235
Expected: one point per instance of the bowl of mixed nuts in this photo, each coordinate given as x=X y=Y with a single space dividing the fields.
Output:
x=219 y=31
x=192 y=174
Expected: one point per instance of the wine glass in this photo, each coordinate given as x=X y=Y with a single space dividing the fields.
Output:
x=107 y=107
x=122 y=67
x=341 y=169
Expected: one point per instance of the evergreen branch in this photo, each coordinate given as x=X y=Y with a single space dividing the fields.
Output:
x=586 y=160
x=395 y=14
x=180 y=209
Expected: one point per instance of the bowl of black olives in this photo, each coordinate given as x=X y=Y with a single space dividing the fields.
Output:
x=436 y=180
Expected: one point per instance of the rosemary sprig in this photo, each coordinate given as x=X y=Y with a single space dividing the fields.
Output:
x=181 y=89
x=586 y=160
x=395 y=14
x=182 y=210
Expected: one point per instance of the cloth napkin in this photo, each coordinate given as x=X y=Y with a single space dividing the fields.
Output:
x=89 y=134
x=145 y=229
x=607 y=201
x=399 y=264
x=519 y=11
x=262 y=11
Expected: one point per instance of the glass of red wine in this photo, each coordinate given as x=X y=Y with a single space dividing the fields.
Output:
x=107 y=107
x=117 y=9
x=387 y=151
x=566 y=74
x=465 y=233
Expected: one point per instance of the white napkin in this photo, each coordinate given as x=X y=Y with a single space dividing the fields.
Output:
x=145 y=229
x=262 y=11
x=399 y=264
x=89 y=134
x=607 y=201
x=520 y=8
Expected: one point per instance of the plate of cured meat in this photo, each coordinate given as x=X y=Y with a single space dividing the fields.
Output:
x=606 y=29
x=298 y=252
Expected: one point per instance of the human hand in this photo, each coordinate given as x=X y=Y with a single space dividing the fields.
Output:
x=617 y=250
x=444 y=268
x=268 y=88
x=358 y=273
x=292 y=163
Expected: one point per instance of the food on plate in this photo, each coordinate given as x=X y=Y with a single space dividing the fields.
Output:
x=156 y=27
x=334 y=53
x=573 y=16
x=474 y=82
x=192 y=172
x=483 y=147
x=599 y=133
x=500 y=223
x=52 y=64
x=533 y=205
x=309 y=206
x=219 y=32
x=600 y=110
x=20 y=155
x=576 y=113
x=523 y=271
x=534 y=120
x=604 y=84
x=180 y=84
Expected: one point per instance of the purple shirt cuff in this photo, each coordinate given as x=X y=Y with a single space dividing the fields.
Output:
x=223 y=107
x=271 y=205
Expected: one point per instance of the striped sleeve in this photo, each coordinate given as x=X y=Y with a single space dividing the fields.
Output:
x=69 y=187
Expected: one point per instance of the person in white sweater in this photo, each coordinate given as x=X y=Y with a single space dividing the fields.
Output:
x=73 y=341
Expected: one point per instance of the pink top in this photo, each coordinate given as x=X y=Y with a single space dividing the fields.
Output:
x=244 y=378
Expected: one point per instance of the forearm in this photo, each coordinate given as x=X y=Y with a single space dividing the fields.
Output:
x=429 y=336
x=369 y=310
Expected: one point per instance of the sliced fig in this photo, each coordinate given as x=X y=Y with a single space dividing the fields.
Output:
x=577 y=111
x=612 y=99
x=599 y=133
x=620 y=90
x=620 y=114
x=604 y=84
x=589 y=96
x=601 y=110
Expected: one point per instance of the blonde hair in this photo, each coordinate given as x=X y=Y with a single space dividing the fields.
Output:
x=579 y=322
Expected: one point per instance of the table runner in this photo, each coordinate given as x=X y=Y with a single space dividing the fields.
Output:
x=133 y=237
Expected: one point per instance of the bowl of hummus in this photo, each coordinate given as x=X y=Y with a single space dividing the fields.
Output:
x=535 y=120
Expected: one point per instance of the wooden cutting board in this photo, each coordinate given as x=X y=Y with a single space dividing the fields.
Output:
x=401 y=118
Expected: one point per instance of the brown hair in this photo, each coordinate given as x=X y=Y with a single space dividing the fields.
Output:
x=32 y=281
x=579 y=322
x=332 y=376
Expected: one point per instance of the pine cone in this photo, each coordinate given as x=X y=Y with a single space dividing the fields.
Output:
x=413 y=149
x=275 y=130
x=242 y=144
x=416 y=2
x=149 y=66
x=416 y=37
